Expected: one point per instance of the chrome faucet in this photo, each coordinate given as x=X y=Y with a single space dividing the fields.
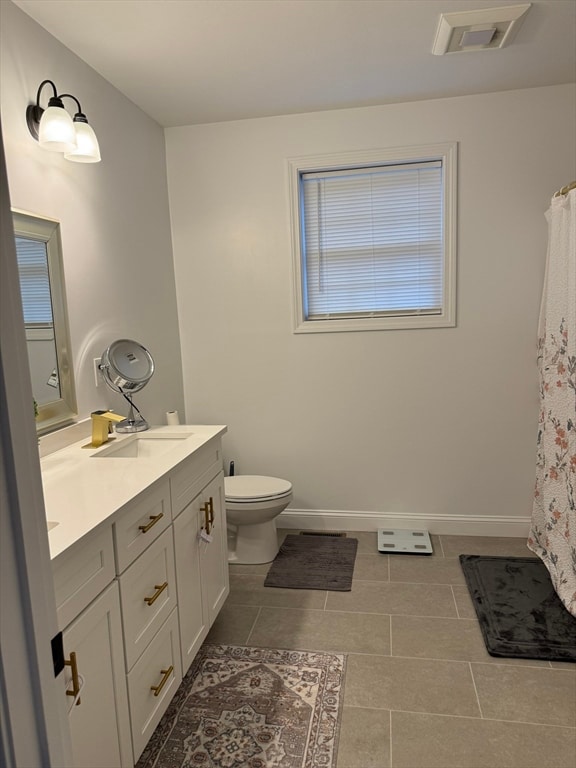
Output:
x=102 y=426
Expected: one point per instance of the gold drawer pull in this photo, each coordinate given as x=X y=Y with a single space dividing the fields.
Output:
x=162 y=683
x=207 y=520
x=153 y=520
x=73 y=664
x=159 y=589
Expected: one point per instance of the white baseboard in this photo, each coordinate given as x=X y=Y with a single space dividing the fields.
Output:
x=456 y=525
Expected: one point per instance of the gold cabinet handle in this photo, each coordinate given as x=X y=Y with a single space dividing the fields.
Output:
x=153 y=520
x=162 y=683
x=207 y=521
x=211 y=504
x=73 y=664
x=159 y=589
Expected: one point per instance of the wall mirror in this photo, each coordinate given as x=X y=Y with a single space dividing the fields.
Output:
x=40 y=267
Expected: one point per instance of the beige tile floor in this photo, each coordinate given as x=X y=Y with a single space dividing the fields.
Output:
x=421 y=691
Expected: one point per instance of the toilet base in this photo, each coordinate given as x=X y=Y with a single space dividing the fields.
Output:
x=254 y=544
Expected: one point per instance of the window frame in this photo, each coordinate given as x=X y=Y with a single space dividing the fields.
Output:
x=446 y=153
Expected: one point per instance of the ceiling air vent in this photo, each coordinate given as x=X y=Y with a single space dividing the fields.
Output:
x=478 y=30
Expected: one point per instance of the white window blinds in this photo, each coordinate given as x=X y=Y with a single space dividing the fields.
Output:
x=34 y=281
x=372 y=241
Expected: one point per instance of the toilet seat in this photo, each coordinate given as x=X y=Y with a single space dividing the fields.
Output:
x=250 y=489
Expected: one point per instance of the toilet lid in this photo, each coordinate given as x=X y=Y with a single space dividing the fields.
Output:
x=255 y=487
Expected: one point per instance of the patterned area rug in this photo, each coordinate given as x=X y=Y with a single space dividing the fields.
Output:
x=314 y=562
x=241 y=707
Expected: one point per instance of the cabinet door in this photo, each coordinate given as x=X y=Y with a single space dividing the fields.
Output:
x=99 y=722
x=214 y=554
x=201 y=566
x=193 y=617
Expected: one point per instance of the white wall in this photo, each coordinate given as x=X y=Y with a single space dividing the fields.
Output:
x=114 y=216
x=438 y=422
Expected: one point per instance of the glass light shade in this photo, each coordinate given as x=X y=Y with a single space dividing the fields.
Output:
x=56 y=131
x=87 y=149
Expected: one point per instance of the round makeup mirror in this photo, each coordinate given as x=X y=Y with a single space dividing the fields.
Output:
x=127 y=367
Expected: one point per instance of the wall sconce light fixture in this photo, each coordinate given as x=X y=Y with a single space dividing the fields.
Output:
x=56 y=131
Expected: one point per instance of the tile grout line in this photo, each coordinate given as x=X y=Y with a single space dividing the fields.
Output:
x=254 y=624
x=390 y=719
x=377 y=582
x=354 y=613
x=461 y=717
x=404 y=583
x=393 y=710
x=476 y=690
x=448 y=661
x=455 y=601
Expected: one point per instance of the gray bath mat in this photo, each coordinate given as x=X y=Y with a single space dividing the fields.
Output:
x=520 y=614
x=314 y=562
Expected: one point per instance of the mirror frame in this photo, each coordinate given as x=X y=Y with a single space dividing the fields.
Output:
x=64 y=409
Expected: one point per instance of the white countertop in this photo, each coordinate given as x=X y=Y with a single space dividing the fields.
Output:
x=82 y=491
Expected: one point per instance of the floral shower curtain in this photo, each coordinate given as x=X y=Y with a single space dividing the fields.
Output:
x=553 y=532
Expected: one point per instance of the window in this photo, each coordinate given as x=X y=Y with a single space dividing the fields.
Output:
x=34 y=281
x=373 y=239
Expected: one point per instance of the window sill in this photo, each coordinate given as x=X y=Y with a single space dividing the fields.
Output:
x=398 y=323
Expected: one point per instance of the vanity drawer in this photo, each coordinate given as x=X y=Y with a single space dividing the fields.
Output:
x=81 y=573
x=160 y=663
x=140 y=523
x=193 y=474
x=147 y=595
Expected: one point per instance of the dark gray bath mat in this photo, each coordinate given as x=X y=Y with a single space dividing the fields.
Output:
x=314 y=562
x=520 y=614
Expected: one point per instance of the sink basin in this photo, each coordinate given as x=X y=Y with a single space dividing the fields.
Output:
x=51 y=524
x=143 y=446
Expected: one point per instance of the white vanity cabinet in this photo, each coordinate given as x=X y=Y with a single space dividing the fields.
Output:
x=136 y=596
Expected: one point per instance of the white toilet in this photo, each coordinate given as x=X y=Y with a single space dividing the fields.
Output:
x=252 y=504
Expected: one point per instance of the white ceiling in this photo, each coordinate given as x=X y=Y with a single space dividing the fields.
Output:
x=196 y=61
